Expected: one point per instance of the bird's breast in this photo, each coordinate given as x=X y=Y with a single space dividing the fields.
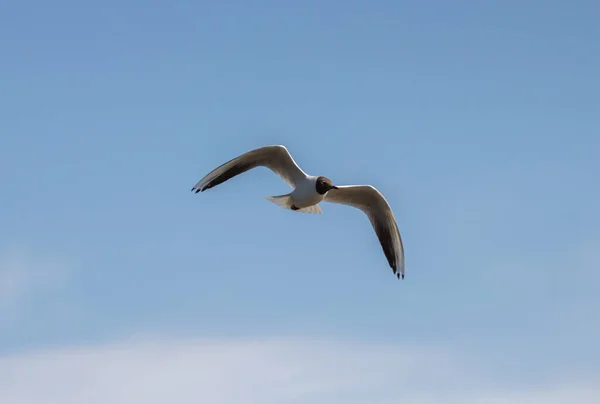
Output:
x=306 y=195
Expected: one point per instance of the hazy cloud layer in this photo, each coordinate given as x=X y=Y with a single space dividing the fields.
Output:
x=283 y=370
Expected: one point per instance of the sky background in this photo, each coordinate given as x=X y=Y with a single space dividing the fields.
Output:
x=477 y=120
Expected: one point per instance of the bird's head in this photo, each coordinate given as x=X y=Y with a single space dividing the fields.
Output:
x=323 y=185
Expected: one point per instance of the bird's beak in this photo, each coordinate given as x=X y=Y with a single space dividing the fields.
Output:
x=334 y=187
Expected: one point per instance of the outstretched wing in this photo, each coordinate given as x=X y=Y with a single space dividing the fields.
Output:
x=368 y=199
x=276 y=158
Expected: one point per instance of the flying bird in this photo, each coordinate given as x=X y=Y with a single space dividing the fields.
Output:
x=308 y=191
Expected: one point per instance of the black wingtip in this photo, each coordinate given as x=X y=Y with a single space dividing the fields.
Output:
x=402 y=276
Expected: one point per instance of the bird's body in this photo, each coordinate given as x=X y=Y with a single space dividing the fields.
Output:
x=308 y=191
x=305 y=193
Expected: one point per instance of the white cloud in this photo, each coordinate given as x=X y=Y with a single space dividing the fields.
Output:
x=267 y=371
x=23 y=275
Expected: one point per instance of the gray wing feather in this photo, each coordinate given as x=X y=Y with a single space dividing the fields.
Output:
x=276 y=158
x=368 y=199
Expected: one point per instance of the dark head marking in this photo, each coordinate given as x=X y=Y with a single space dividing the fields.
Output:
x=323 y=185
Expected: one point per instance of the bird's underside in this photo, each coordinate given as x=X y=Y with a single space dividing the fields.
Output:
x=287 y=202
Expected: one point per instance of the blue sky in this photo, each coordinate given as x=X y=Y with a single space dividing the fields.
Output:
x=478 y=122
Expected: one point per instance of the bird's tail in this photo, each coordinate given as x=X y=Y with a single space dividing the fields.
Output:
x=286 y=202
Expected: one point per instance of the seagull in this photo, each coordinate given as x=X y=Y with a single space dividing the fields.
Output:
x=308 y=191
